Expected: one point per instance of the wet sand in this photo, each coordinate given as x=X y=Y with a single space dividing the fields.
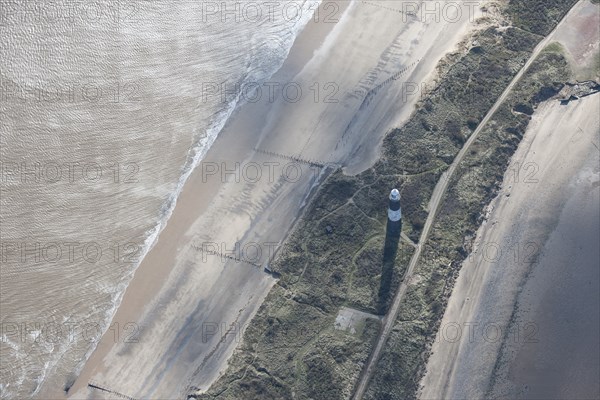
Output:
x=559 y=357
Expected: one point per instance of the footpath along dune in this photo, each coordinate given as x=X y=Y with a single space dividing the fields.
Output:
x=191 y=306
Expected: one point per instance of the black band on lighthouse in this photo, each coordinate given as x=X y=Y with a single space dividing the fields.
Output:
x=394 y=210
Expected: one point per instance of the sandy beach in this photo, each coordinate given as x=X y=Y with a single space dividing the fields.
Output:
x=191 y=305
x=524 y=309
x=500 y=275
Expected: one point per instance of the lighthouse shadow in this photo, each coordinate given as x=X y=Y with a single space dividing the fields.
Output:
x=390 y=250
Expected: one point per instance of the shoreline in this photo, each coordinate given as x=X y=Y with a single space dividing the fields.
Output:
x=163 y=291
x=149 y=276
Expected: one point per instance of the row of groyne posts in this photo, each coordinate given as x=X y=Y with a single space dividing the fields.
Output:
x=97 y=386
x=267 y=269
x=392 y=239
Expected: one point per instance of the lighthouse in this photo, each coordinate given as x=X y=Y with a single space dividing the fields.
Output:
x=394 y=213
x=390 y=250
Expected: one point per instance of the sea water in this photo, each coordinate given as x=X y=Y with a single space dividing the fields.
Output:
x=106 y=108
